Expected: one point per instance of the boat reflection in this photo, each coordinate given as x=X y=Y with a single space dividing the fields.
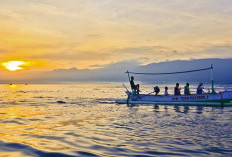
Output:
x=156 y=108
x=176 y=108
x=199 y=109
x=186 y=109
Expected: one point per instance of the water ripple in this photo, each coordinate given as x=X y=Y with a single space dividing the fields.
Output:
x=83 y=120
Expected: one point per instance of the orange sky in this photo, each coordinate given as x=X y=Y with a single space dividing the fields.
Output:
x=87 y=33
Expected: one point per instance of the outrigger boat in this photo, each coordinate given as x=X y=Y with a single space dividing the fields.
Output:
x=212 y=99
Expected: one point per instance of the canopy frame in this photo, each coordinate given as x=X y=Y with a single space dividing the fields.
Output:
x=178 y=72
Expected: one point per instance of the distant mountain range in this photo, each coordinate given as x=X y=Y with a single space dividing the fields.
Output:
x=116 y=72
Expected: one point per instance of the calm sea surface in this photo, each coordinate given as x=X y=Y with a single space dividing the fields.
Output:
x=83 y=120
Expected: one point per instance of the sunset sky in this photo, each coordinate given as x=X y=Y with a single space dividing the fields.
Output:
x=53 y=34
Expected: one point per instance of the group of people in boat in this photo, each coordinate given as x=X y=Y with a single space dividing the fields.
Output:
x=177 y=89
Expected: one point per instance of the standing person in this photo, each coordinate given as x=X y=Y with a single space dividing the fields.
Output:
x=166 y=91
x=186 y=89
x=133 y=86
x=177 y=89
x=200 y=88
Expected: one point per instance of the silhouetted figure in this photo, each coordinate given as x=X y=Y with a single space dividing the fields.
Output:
x=166 y=91
x=157 y=90
x=186 y=89
x=200 y=88
x=133 y=86
x=177 y=89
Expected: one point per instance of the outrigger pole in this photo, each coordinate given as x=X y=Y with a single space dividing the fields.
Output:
x=179 y=72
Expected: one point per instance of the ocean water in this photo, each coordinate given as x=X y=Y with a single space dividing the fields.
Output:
x=83 y=120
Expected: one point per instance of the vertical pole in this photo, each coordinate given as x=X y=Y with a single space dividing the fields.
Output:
x=128 y=75
x=129 y=78
x=213 y=91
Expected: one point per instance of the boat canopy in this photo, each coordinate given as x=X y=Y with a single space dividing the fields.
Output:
x=178 y=72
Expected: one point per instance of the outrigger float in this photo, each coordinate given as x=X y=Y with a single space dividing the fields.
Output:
x=206 y=99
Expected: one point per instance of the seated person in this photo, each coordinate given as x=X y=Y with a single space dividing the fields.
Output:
x=157 y=90
x=133 y=86
x=200 y=88
x=186 y=89
x=166 y=91
x=177 y=89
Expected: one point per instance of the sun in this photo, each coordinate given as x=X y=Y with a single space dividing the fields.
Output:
x=14 y=65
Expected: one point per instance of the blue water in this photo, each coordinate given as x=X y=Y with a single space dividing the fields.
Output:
x=83 y=120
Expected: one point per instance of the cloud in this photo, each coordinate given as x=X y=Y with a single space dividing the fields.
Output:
x=96 y=66
x=94 y=35
x=2 y=50
x=223 y=51
x=144 y=54
x=85 y=33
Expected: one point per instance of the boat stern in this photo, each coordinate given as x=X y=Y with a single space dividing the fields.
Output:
x=226 y=96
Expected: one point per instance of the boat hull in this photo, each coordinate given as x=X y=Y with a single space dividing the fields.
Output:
x=221 y=97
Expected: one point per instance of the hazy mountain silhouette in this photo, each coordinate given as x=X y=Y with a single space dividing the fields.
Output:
x=115 y=72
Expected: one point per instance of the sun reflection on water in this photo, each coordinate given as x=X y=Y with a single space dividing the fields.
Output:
x=12 y=85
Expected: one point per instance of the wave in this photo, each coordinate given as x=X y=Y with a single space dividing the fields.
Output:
x=30 y=151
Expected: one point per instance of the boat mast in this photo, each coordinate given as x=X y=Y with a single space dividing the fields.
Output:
x=128 y=74
x=213 y=91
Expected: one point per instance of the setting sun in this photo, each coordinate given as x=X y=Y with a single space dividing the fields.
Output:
x=14 y=65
